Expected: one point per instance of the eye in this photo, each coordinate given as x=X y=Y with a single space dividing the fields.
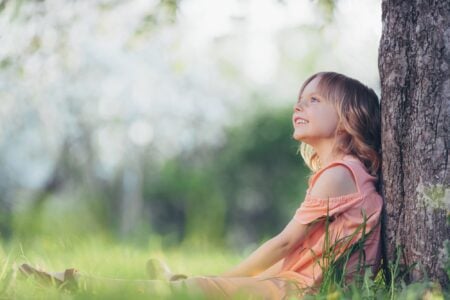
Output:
x=314 y=99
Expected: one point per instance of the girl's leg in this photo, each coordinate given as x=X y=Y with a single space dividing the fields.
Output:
x=207 y=287
x=144 y=286
x=83 y=281
x=216 y=287
x=210 y=287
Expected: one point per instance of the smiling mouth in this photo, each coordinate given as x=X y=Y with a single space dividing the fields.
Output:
x=300 y=122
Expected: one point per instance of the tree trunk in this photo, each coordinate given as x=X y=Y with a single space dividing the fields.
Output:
x=414 y=65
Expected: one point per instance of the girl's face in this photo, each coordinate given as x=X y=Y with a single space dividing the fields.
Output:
x=321 y=118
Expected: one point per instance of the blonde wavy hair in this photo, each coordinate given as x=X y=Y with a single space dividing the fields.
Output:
x=359 y=128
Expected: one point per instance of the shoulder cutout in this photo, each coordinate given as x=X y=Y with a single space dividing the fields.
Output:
x=334 y=181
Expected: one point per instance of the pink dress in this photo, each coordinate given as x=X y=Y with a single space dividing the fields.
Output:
x=301 y=268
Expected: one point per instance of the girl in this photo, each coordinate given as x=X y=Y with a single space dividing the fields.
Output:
x=337 y=122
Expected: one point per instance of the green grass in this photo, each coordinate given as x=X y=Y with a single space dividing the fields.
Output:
x=98 y=254
x=103 y=257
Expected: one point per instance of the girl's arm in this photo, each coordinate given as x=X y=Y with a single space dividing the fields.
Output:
x=262 y=258
x=273 y=270
x=271 y=251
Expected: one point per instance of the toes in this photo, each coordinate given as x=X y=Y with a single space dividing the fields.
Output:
x=25 y=269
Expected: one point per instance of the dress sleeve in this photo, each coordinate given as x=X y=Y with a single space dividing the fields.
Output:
x=314 y=208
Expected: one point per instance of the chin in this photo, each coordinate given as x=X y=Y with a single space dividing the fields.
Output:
x=301 y=138
x=297 y=137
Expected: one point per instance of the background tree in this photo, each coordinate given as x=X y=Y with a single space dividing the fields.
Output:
x=414 y=61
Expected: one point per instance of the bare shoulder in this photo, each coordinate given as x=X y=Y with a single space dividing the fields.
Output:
x=333 y=182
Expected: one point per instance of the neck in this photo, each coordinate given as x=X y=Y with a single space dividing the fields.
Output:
x=326 y=155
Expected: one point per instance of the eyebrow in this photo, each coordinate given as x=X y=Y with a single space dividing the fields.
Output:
x=309 y=95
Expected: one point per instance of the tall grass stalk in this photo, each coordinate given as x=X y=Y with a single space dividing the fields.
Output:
x=337 y=251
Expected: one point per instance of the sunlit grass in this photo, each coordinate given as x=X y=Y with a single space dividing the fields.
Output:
x=99 y=254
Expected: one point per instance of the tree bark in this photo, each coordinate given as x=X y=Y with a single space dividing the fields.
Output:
x=414 y=65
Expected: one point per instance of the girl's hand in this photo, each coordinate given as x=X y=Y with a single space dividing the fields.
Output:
x=272 y=251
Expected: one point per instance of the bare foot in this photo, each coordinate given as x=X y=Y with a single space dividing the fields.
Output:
x=66 y=279
x=157 y=269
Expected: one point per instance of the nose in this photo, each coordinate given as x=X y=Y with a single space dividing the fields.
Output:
x=298 y=106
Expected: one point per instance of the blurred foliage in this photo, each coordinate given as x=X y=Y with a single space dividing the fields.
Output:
x=247 y=188
x=327 y=7
x=240 y=192
x=116 y=124
x=168 y=7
